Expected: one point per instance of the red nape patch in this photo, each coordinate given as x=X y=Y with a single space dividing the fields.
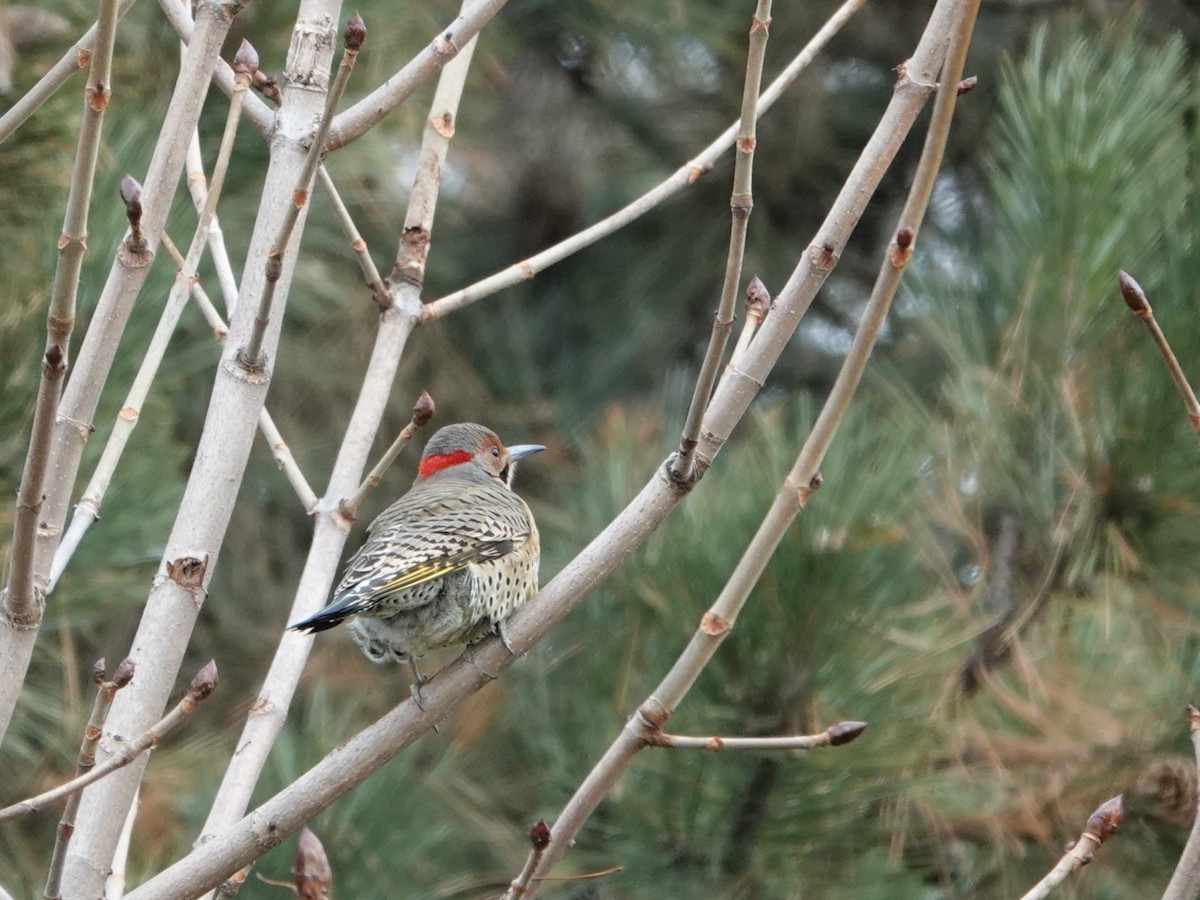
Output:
x=439 y=461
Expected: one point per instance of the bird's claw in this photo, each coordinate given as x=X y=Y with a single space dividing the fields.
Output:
x=503 y=633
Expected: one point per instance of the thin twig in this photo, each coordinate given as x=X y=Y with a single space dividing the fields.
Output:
x=197 y=186
x=1101 y=825
x=114 y=882
x=353 y=36
x=87 y=512
x=539 y=838
x=687 y=174
x=1185 y=880
x=450 y=41
x=60 y=73
x=422 y=412
x=741 y=203
x=357 y=244
x=834 y=736
x=198 y=690
x=86 y=761
x=225 y=846
x=1135 y=297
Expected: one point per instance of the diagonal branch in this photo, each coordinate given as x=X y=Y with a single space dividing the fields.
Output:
x=198 y=690
x=1101 y=825
x=60 y=73
x=1135 y=297
x=371 y=109
x=1185 y=880
x=687 y=174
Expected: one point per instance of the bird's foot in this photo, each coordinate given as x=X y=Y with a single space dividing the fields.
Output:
x=503 y=633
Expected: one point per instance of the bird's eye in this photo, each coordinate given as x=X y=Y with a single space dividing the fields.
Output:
x=496 y=452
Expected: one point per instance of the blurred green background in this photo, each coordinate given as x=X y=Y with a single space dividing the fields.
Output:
x=1012 y=396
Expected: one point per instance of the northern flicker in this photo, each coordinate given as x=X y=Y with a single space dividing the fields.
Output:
x=448 y=562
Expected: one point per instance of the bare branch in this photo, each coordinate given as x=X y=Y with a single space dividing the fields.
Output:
x=367 y=112
x=85 y=762
x=198 y=690
x=421 y=414
x=250 y=355
x=1135 y=298
x=1185 y=881
x=60 y=73
x=355 y=239
x=1101 y=825
x=741 y=203
x=686 y=175
x=834 y=736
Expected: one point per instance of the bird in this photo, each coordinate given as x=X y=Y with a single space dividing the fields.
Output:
x=448 y=562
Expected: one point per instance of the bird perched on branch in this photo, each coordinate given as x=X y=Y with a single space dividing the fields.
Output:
x=448 y=562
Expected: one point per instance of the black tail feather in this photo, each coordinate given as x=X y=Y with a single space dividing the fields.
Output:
x=334 y=614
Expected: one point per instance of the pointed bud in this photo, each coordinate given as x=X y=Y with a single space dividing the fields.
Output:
x=423 y=410
x=131 y=194
x=204 y=683
x=313 y=873
x=539 y=836
x=967 y=85
x=267 y=85
x=1108 y=817
x=355 y=33
x=1135 y=297
x=845 y=732
x=99 y=668
x=124 y=673
x=245 y=61
x=758 y=299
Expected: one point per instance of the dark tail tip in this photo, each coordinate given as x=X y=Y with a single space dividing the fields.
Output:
x=322 y=621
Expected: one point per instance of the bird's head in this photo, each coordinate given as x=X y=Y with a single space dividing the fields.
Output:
x=471 y=452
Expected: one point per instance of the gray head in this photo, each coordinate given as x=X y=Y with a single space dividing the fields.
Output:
x=471 y=452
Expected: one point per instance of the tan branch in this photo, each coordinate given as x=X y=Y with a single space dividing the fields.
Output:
x=422 y=412
x=198 y=690
x=685 y=176
x=1101 y=825
x=834 y=736
x=1135 y=297
x=1185 y=880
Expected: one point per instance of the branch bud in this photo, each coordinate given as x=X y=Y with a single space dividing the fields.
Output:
x=124 y=673
x=267 y=85
x=845 y=732
x=313 y=873
x=131 y=195
x=539 y=836
x=967 y=85
x=99 y=668
x=758 y=299
x=355 y=33
x=204 y=683
x=1135 y=297
x=245 y=61
x=423 y=410
x=1108 y=817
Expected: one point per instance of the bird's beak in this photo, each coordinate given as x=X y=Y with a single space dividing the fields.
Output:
x=520 y=451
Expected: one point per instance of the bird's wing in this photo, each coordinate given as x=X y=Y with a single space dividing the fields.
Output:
x=409 y=547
